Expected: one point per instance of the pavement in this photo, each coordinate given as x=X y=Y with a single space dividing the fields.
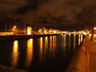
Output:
x=91 y=49
x=84 y=60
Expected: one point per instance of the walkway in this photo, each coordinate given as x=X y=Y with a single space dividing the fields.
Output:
x=91 y=49
x=84 y=59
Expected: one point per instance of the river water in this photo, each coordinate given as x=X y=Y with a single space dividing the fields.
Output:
x=47 y=54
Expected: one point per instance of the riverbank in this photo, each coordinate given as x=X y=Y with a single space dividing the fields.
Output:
x=10 y=37
x=84 y=59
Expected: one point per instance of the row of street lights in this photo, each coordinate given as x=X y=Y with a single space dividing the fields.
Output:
x=15 y=31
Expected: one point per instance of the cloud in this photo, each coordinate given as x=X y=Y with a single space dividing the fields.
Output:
x=30 y=10
x=30 y=5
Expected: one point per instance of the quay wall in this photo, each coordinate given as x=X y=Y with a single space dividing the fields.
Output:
x=79 y=62
x=12 y=37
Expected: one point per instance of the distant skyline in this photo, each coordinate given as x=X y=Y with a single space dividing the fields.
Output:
x=30 y=10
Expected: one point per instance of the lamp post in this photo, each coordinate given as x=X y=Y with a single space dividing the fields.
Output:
x=14 y=29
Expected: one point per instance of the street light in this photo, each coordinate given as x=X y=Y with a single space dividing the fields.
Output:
x=14 y=29
x=29 y=30
x=94 y=28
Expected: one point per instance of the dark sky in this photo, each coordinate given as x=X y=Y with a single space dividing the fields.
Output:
x=30 y=10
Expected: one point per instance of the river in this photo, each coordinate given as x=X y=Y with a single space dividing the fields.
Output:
x=48 y=54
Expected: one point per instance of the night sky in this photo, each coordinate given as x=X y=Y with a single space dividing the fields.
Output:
x=32 y=10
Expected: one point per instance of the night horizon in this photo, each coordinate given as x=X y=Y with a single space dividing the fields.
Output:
x=43 y=11
x=47 y=36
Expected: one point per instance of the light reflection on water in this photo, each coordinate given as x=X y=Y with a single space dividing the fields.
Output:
x=29 y=52
x=69 y=40
x=74 y=42
x=32 y=52
x=79 y=39
x=15 y=53
x=51 y=45
x=54 y=45
x=64 y=42
x=45 y=46
x=41 y=48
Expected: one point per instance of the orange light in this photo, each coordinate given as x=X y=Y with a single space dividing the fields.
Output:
x=54 y=31
x=41 y=47
x=14 y=28
x=15 y=53
x=29 y=30
x=40 y=31
x=15 y=46
x=90 y=34
x=45 y=31
x=29 y=57
x=50 y=31
x=94 y=35
x=94 y=28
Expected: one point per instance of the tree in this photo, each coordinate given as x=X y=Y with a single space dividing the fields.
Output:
x=87 y=18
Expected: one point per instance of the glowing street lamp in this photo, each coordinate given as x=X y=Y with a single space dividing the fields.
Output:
x=84 y=33
x=45 y=31
x=94 y=28
x=14 y=26
x=40 y=31
x=29 y=30
x=54 y=31
x=14 y=29
x=50 y=31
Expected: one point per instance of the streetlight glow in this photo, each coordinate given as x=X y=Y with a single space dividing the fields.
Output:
x=29 y=30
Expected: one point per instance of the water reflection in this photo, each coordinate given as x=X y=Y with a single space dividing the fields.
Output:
x=64 y=42
x=69 y=40
x=54 y=45
x=41 y=48
x=79 y=39
x=51 y=46
x=29 y=51
x=49 y=52
x=46 y=46
x=15 y=53
x=74 y=39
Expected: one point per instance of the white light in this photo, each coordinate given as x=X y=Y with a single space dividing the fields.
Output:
x=84 y=33
x=29 y=30
x=90 y=34
x=94 y=28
